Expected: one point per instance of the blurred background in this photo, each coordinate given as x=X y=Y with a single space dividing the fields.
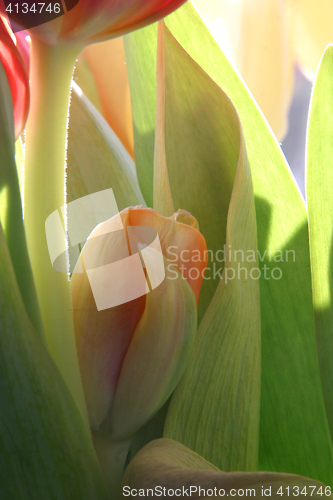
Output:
x=276 y=46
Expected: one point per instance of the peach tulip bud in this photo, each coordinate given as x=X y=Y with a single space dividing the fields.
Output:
x=135 y=314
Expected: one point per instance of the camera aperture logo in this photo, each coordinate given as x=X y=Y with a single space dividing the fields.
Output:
x=133 y=268
x=29 y=14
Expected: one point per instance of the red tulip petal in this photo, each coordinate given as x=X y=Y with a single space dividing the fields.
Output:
x=96 y=20
x=131 y=15
x=24 y=48
x=17 y=76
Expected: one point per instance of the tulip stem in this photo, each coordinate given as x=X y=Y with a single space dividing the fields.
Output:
x=112 y=456
x=45 y=183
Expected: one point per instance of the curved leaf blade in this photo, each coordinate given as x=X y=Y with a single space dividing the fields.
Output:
x=218 y=399
x=11 y=206
x=97 y=159
x=45 y=448
x=319 y=183
x=170 y=465
x=293 y=423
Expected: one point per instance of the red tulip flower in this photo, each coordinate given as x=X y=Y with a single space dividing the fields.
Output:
x=91 y=20
x=17 y=76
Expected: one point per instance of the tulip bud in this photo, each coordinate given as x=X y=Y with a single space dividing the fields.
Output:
x=135 y=314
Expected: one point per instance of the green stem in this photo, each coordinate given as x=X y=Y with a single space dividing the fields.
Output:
x=45 y=182
x=112 y=457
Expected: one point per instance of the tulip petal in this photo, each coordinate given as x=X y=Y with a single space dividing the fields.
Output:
x=17 y=77
x=112 y=19
x=102 y=336
x=91 y=21
x=170 y=465
x=291 y=395
x=108 y=66
x=157 y=355
x=319 y=184
x=182 y=244
x=23 y=45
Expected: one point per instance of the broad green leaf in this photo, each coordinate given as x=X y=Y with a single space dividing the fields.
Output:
x=45 y=449
x=97 y=159
x=319 y=183
x=294 y=434
x=11 y=208
x=201 y=165
x=164 y=463
x=218 y=399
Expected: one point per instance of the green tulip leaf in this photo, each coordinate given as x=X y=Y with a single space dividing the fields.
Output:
x=319 y=183
x=294 y=434
x=166 y=464
x=45 y=449
x=218 y=399
x=11 y=206
x=19 y=159
x=201 y=165
x=97 y=159
x=163 y=201
x=84 y=78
